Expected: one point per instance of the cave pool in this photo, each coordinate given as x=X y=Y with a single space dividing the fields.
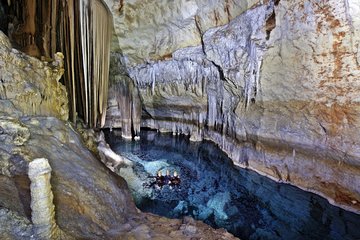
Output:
x=213 y=190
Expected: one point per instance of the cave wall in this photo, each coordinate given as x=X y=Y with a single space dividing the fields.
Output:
x=275 y=85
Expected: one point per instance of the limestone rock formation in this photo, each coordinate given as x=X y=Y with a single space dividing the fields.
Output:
x=30 y=84
x=124 y=107
x=90 y=201
x=276 y=86
x=112 y=160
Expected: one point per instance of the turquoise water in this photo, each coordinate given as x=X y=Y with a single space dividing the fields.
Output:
x=213 y=190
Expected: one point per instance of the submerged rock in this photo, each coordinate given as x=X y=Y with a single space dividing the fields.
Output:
x=215 y=191
x=218 y=203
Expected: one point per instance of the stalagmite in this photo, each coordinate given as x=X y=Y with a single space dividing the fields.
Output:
x=43 y=209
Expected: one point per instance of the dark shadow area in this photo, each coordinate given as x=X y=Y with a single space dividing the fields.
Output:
x=4 y=16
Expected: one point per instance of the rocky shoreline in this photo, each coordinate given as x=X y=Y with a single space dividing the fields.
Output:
x=282 y=164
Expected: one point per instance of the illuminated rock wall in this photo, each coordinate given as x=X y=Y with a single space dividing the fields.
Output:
x=276 y=87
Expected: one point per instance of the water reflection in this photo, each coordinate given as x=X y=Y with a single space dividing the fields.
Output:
x=215 y=191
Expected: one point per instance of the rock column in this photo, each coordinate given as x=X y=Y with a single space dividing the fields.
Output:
x=43 y=209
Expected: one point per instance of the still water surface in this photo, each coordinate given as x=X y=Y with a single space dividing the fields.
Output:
x=220 y=194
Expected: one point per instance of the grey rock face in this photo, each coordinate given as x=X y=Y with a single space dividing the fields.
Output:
x=277 y=88
x=14 y=226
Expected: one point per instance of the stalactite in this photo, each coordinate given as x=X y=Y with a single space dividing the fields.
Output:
x=68 y=26
x=136 y=112
x=101 y=34
x=24 y=36
x=81 y=30
x=45 y=19
x=85 y=30
x=129 y=106
x=253 y=72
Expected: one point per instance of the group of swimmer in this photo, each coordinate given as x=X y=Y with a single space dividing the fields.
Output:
x=161 y=180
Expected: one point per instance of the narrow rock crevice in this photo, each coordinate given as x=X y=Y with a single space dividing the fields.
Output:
x=220 y=70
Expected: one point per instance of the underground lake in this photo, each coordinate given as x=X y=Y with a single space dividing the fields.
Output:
x=213 y=190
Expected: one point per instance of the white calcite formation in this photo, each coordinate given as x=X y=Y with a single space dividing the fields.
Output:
x=42 y=206
x=276 y=85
